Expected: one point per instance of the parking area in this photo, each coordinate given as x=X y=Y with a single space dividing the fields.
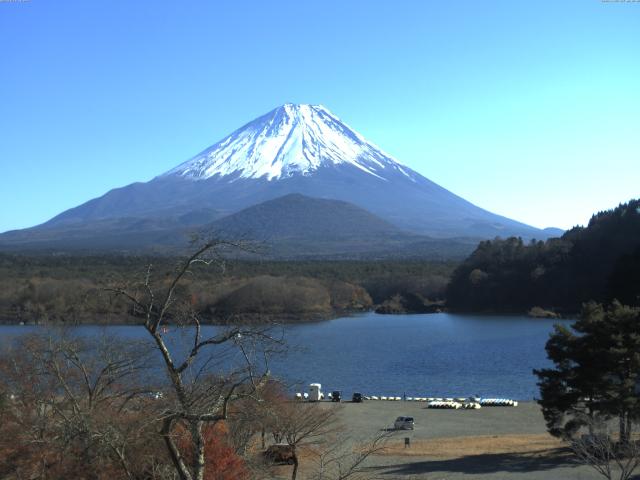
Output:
x=488 y=443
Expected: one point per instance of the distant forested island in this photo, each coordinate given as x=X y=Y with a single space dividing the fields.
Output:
x=599 y=262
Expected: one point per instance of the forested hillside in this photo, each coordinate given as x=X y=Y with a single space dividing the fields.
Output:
x=70 y=289
x=598 y=262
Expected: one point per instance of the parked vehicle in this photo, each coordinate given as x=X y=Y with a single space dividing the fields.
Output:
x=404 y=423
x=336 y=396
x=315 y=392
x=357 y=397
x=279 y=453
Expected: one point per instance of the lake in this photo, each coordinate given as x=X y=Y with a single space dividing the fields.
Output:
x=435 y=355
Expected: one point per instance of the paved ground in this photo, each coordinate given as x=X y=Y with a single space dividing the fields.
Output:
x=490 y=443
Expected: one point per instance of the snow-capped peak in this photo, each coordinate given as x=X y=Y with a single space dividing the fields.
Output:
x=294 y=139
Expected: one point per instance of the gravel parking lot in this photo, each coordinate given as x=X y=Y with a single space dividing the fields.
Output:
x=489 y=443
x=370 y=416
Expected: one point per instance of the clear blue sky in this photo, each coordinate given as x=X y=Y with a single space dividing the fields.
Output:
x=529 y=109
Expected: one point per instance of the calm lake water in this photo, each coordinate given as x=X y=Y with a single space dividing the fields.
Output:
x=437 y=355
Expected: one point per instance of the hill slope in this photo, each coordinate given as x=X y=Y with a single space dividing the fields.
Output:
x=600 y=262
x=301 y=217
x=297 y=226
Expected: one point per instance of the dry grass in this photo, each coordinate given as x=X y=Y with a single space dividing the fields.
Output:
x=457 y=447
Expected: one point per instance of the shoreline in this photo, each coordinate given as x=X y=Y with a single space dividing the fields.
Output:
x=280 y=319
x=258 y=319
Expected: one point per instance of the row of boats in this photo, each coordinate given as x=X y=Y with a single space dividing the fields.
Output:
x=472 y=402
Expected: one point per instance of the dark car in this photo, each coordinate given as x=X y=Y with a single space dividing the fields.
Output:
x=279 y=453
x=336 y=396
x=357 y=398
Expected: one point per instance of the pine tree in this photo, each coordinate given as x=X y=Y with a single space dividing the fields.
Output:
x=597 y=370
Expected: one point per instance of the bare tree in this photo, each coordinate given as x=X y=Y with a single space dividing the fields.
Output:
x=216 y=368
x=316 y=429
x=601 y=451
x=97 y=380
x=73 y=402
x=301 y=424
x=346 y=458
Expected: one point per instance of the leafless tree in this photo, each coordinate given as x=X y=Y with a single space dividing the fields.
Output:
x=346 y=458
x=601 y=451
x=316 y=429
x=301 y=424
x=74 y=401
x=216 y=368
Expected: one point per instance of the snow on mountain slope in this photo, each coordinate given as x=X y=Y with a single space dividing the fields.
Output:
x=290 y=140
x=294 y=149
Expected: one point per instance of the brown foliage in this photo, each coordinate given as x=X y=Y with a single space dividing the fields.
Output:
x=277 y=295
x=222 y=462
x=66 y=412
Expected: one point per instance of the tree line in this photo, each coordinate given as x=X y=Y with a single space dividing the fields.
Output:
x=69 y=289
x=599 y=262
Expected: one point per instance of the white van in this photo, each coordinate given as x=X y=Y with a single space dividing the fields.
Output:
x=315 y=392
x=404 y=423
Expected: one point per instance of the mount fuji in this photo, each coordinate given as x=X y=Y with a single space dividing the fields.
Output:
x=288 y=141
x=293 y=149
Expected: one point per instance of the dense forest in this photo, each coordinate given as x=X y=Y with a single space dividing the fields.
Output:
x=71 y=289
x=599 y=262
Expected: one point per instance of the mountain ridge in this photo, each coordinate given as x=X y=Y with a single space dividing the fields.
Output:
x=290 y=227
x=299 y=149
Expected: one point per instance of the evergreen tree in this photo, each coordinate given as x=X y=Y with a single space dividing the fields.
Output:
x=597 y=369
x=599 y=262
